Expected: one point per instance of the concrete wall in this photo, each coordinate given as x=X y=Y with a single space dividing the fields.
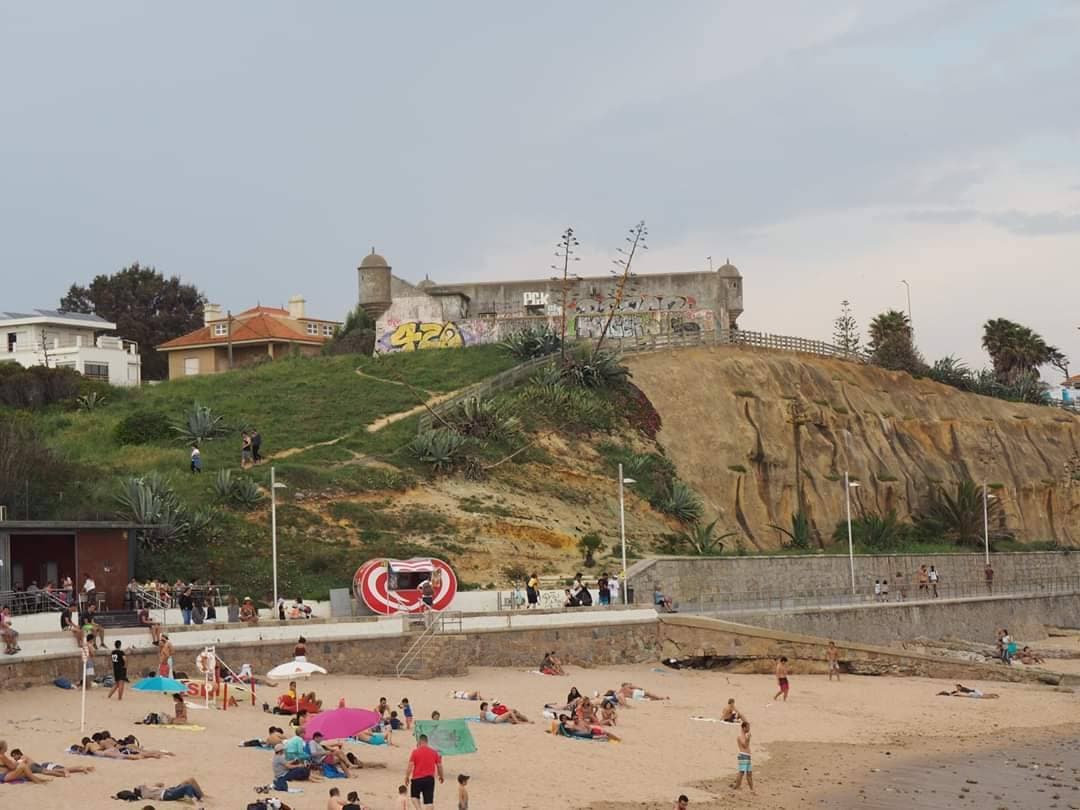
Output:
x=688 y=579
x=1026 y=618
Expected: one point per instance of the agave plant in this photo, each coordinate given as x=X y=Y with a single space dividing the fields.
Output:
x=683 y=504
x=441 y=448
x=203 y=525
x=91 y=402
x=484 y=419
x=150 y=500
x=200 y=424
x=799 y=535
x=223 y=484
x=245 y=493
x=547 y=375
x=601 y=370
x=877 y=532
x=530 y=343
x=704 y=540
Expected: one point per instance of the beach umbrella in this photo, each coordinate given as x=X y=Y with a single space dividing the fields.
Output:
x=338 y=724
x=294 y=669
x=160 y=683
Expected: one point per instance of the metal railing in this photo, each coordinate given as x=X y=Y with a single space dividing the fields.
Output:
x=435 y=623
x=758 y=601
x=21 y=603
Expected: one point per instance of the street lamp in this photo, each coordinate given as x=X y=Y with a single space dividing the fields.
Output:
x=911 y=323
x=848 y=486
x=622 y=531
x=986 y=521
x=274 y=487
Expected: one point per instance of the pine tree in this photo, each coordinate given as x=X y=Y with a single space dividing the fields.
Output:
x=846 y=330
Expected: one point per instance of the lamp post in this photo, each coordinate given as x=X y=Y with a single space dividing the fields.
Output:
x=274 y=487
x=622 y=531
x=911 y=323
x=848 y=486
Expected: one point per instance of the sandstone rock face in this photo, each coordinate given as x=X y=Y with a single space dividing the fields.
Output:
x=727 y=425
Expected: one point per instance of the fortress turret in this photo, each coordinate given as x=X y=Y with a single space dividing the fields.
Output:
x=375 y=296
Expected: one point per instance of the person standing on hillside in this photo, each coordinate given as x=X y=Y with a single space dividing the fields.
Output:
x=245 y=450
x=256 y=446
x=196 y=460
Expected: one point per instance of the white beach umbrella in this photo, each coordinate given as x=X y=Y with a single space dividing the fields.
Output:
x=294 y=669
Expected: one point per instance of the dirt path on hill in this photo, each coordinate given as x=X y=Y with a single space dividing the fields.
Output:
x=379 y=424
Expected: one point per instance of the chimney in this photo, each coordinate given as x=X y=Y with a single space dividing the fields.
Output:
x=211 y=313
x=296 y=307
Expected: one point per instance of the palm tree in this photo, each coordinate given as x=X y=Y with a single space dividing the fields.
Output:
x=891 y=344
x=1016 y=350
x=959 y=518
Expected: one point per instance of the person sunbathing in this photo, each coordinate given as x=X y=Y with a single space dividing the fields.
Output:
x=12 y=769
x=373 y=737
x=629 y=691
x=585 y=713
x=730 y=714
x=188 y=789
x=608 y=716
x=1028 y=657
x=566 y=727
x=51 y=768
x=488 y=714
x=458 y=695
x=274 y=735
x=964 y=691
x=179 y=716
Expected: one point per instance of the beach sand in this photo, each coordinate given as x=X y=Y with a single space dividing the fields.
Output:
x=828 y=737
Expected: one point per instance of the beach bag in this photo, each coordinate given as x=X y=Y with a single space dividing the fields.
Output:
x=128 y=795
x=63 y=683
x=151 y=719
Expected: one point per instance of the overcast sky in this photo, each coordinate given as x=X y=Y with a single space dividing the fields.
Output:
x=830 y=149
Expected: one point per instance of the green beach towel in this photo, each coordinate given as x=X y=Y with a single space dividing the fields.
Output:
x=448 y=737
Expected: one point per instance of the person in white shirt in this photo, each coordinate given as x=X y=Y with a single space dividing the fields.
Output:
x=89 y=589
x=614 y=588
x=933 y=581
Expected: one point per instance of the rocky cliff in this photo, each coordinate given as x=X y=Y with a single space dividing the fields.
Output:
x=735 y=419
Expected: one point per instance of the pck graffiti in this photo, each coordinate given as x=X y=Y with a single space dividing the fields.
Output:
x=412 y=336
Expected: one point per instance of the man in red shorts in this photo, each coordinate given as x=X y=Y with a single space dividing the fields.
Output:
x=424 y=763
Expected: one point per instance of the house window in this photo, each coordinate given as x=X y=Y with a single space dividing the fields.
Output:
x=67 y=364
x=313 y=329
x=221 y=329
x=96 y=371
x=191 y=366
x=328 y=329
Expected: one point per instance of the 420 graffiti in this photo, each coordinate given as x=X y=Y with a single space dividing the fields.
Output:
x=415 y=335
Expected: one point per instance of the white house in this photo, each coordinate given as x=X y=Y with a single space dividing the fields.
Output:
x=73 y=340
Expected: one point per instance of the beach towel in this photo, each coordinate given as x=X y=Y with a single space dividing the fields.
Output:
x=381 y=741
x=260 y=747
x=705 y=719
x=181 y=727
x=330 y=772
x=448 y=737
x=472 y=719
x=63 y=683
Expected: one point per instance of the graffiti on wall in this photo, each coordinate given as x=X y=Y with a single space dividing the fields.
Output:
x=411 y=336
x=640 y=303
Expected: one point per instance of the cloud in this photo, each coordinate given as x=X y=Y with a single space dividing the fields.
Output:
x=1021 y=223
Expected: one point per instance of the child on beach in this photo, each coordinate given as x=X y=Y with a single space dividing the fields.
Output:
x=463 y=791
x=403 y=798
x=782 y=679
x=406 y=710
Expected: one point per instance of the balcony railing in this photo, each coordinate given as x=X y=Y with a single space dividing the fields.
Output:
x=67 y=344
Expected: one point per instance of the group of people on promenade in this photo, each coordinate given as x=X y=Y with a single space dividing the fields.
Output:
x=927 y=582
x=578 y=594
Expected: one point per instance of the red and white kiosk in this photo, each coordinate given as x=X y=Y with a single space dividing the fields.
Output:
x=395 y=586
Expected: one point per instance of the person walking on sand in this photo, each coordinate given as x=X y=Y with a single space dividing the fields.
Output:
x=743 y=760
x=832 y=655
x=119 y=671
x=424 y=764
x=782 y=679
x=165 y=656
x=934 y=578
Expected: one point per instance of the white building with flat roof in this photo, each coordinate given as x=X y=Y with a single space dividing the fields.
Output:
x=58 y=339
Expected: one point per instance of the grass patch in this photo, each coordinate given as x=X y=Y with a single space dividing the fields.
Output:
x=737 y=468
x=996 y=486
x=886 y=478
x=1020 y=416
x=745 y=392
x=841 y=409
x=824 y=403
x=832 y=477
x=476 y=506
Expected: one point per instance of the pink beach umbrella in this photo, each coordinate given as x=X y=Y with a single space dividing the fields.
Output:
x=337 y=724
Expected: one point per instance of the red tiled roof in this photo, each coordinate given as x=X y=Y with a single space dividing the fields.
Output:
x=258 y=328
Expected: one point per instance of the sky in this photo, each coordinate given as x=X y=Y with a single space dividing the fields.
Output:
x=829 y=149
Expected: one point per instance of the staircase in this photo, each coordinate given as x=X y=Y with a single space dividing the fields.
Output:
x=117 y=618
x=430 y=644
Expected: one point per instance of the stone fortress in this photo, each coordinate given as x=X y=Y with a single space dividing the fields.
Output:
x=428 y=315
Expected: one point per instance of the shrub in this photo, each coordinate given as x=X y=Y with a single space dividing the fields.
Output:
x=875 y=532
x=143 y=427
x=600 y=370
x=223 y=484
x=638 y=410
x=484 y=419
x=745 y=392
x=683 y=504
x=37 y=386
x=737 y=468
x=704 y=540
x=91 y=401
x=150 y=500
x=960 y=518
x=439 y=448
x=245 y=493
x=530 y=343
x=588 y=545
x=200 y=424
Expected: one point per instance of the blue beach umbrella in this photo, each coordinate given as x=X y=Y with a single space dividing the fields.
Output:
x=159 y=683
